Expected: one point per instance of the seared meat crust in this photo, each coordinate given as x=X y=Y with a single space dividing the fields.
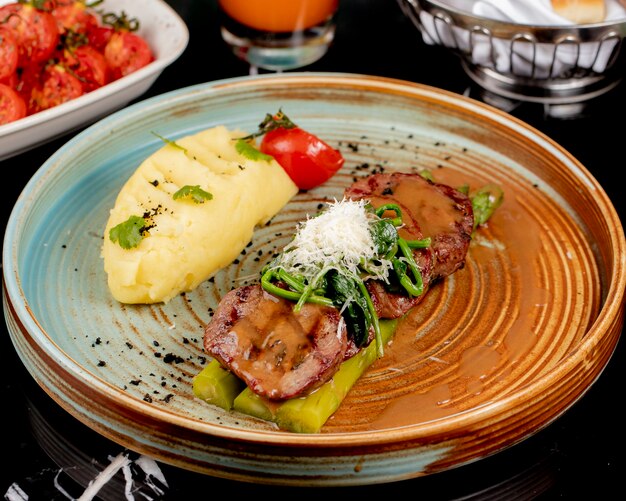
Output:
x=430 y=210
x=278 y=353
x=436 y=210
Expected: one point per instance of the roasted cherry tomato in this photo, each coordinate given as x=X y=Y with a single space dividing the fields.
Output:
x=8 y=53
x=12 y=106
x=35 y=30
x=59 y=86
x=88 y=65
x=99 y=37
x=52 y=51
x=12 y=80
x=74 y=16
x=29 y=81
x=308 y=160
x=126 y=52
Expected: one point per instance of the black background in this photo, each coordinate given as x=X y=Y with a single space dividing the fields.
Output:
x=578 y=456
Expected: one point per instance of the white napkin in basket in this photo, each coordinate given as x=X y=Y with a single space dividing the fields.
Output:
x=592 y=55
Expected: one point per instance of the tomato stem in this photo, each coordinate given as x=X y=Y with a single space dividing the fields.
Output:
x=273 y=122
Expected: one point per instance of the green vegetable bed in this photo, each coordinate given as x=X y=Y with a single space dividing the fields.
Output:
x=218 y=386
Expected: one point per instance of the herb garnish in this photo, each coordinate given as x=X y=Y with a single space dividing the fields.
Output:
x=195 y=193
x=170 y=142
x=129 y=233
x=485 y=201
x=246 y=149
x=332 y=269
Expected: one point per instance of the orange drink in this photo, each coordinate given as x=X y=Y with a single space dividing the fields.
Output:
x=279 y=15
x=278 y=34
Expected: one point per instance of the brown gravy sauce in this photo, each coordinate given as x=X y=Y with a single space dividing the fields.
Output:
x=436 y=216
x=274 y=347
x=476 y=335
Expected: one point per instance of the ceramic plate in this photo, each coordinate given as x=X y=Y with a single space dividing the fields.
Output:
x=495 y=352
x=167 y=35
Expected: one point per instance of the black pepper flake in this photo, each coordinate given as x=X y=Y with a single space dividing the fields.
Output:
x=147 y=398
x=171 y=357
x=64 y=246
x=129 y=345
x=168 y=397
x=135 y=382
x=212 y=279
x=236 y=261
x=157 y=354
x=155 y=183
x=155 y=343
x=185 y=340
x=98 y=340
x=101 y=363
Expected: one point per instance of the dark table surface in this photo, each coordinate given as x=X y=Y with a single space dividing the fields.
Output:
x=49 y=455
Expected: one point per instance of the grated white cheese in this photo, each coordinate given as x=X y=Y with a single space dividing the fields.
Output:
x=338 y=238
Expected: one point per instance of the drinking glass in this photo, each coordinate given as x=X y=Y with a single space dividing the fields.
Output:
x=278 y=35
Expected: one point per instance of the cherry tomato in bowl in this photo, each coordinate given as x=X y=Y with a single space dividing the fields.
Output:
x=308 y=160
x=12 y=106
x=35 y=30
x=8 y=53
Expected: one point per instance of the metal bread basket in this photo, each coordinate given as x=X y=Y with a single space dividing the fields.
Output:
x=534 y=63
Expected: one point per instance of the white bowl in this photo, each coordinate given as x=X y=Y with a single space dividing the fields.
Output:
x=166 y=34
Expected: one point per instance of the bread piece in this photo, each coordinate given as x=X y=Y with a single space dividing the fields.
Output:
x=187 y=242
x=581 y=11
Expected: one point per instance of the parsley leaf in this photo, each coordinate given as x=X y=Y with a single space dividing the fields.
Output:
x=170 y=142
x=197 y=194
x=129 y=233
x=247 y=150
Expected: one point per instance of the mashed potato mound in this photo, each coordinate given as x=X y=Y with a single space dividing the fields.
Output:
x=184 y=243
